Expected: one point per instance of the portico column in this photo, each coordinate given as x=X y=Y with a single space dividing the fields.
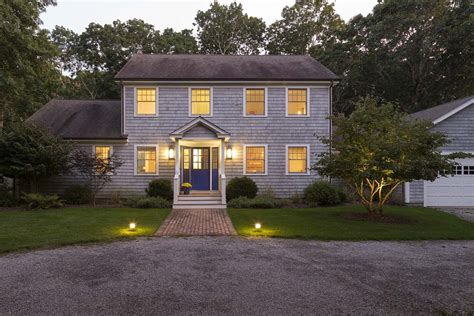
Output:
x=222 y=172
x=177 y=172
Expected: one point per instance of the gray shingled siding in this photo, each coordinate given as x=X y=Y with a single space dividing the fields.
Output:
x=276 y=131
x=460 y=130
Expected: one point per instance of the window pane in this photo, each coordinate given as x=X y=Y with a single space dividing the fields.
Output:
x=297 y=159
x=200 y=101
x=146 y=160
x=255 y=158
x=255 y=101
x=297 y=100
x=102 y=152
x=146 y=101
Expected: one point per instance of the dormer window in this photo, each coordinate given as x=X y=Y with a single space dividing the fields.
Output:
x=146 y=102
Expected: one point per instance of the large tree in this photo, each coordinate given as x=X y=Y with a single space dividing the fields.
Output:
x=227 y=30
x=28 y=74
x=30 y=154
x=377 y=148
x=414 y=52
x=91 y=59
x=304 y=24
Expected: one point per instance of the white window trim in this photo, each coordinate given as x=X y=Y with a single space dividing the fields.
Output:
x=308 y=163
x=308 y=105
x=135 y=102
x=245 y=102
x=190 y=102
x=111 y=152
x=135 y=158
x=245 y=160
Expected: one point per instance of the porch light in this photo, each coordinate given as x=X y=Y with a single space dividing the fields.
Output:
x=228 y=154
x=171 y=152
x=132 y=226
x=258 y=225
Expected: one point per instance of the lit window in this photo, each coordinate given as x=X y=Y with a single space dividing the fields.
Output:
x=102 y=152
x=146 y=101
x=255 y=159
x=255 y=102
x=297 y=102
x=200 y=102
x=297 y=159
x=146 y=160
x=200 y=158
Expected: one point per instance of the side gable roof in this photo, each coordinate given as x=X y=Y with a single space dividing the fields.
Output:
x=224 y=68
x=81 y=119
x=200 y=121
x=441 y=112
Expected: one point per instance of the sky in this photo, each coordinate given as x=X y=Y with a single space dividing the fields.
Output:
x=178 y=14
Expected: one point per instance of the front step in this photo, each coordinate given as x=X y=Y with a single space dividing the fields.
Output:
x=198 y=206
x=201 y=200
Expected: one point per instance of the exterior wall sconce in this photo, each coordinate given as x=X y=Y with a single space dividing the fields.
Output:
x=228 y=153
x=171 y=152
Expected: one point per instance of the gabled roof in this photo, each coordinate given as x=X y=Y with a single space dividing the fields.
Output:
x=220 y=133
x=224 y=68
x=81 y=119
x=441 y=112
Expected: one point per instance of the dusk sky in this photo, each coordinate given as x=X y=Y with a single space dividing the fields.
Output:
x=178 y=14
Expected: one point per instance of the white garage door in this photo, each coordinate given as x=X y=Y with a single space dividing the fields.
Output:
x=457 y=190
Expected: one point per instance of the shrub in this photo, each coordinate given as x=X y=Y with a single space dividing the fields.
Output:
x=322 y=193
x=7 y=200
x=160 y=188
x=241 y=186
x=36 y=200
x=257 y=202
x=78 y=194
x=148 y=202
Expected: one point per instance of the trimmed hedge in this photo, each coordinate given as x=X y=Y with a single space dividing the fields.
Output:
x=241 y=186
x=323 y=194
x=160 y=188
x=256 y=202
x=148 y=202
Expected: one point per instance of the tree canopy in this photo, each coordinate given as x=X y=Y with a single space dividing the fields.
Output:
x=376 y=148
x=228 y=30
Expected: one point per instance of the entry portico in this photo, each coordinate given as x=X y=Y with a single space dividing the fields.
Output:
x=199 y=148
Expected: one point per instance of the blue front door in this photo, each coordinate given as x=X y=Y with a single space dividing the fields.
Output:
x=200 y=169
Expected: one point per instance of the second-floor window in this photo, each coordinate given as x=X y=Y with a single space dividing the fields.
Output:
x=255 y=102
x=200 y=101
x=146 y=101
x=102 y=152
x=297 y=104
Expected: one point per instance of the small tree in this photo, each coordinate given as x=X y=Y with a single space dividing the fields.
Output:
x=96 y=171
x=30 y=153
x=377 y=148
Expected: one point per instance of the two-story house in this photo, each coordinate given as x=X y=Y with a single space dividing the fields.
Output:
x=203 y=119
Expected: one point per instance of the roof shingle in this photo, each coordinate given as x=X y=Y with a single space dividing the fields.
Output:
x=436 y=112
x=224 y=68
x=80 y=119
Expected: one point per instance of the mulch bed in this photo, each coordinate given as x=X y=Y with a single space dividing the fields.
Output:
x=386 y=218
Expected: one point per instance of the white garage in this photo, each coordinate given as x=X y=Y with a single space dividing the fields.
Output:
x=456 y=190
x=456 y=120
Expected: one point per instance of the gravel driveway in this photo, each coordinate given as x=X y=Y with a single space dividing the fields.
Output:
x=233 y=275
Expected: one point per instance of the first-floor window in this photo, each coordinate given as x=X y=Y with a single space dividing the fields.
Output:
x=255 y=157
x=102 y=152
x=297 y=159
x=146 y=159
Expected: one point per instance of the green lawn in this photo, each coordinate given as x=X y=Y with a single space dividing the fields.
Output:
x=50 y=228
x=327 y=223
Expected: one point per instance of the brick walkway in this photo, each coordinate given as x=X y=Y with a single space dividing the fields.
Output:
x=197 y=222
